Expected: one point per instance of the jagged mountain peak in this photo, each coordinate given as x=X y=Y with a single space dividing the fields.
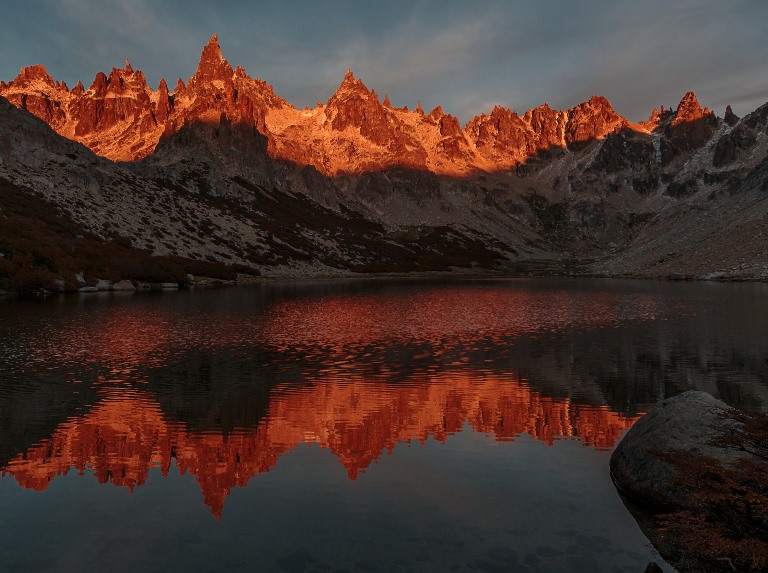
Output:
x=596 y=103
x=376 y=135
x=600 y=101
x=212 y=65
x=99 y=84
x=689 y=109
x=212 y=49
x=30 y=74
x=350 y=86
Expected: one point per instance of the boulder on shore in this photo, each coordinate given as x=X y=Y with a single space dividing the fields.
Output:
x=687 y=422
x=123 y=285
x=695 y=474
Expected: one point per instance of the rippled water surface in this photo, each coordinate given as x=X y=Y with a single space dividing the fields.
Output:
x=359 y=426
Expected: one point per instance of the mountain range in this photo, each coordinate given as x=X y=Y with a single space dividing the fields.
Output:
x=222 y=176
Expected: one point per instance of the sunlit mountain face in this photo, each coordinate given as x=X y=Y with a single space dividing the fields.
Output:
x=224 y=388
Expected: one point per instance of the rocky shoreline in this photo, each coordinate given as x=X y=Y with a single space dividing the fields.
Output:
x=521 y=269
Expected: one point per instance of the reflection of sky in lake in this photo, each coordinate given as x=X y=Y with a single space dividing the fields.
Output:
x=392 y=382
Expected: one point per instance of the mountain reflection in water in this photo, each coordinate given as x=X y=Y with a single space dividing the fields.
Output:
x=125 y=434
x=224 y=384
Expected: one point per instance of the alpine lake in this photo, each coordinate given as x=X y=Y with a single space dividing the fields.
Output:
x=350 y=425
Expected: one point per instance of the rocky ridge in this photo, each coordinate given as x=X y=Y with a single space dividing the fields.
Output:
x=223 y=169
x=121 y=118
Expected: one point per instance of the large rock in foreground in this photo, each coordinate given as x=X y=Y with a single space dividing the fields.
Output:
x=688 y=422
x=696 y=475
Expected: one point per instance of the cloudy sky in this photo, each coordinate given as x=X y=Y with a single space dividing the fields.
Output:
x=465 y=56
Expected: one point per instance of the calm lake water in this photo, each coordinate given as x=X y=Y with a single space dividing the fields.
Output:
x=350 y=426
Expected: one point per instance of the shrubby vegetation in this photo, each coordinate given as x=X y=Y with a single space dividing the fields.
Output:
x=726 y=527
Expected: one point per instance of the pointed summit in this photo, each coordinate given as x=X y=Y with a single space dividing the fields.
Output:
x=350 y=86
x=163 y=104
x=213 y=47
x=128 y=68
x=212 y=64
x=688 y=110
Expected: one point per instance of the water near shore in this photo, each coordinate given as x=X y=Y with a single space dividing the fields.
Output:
x=350 y=425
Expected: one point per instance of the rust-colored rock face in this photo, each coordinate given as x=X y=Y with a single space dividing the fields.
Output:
x=121 y=118
x=591 y=120
x=690 y=127
x=689 y=110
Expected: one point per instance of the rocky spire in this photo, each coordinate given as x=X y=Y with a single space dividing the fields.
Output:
x=99 y=85
x=212 y=64
x=350 y=87
x=436 y=113
x=128 y=68
x=730 y=117
x=688 y=110
x=163 y=106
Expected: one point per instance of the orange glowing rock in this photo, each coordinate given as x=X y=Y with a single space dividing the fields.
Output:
x=122 y=119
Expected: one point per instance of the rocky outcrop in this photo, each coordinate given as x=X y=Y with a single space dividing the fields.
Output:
x=696 y=475
x=591 y=120
x=689 y=129
x=688 y=422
